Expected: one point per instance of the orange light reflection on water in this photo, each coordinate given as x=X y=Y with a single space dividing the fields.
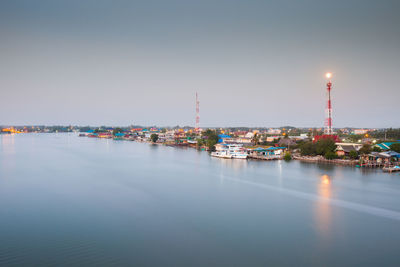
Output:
x=7 y=149
x=325 y=179
x=323 y=212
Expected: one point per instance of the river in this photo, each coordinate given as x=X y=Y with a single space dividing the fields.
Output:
x=67 y=200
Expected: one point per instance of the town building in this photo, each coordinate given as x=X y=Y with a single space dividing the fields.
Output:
x=360 y=131
x=386 y=145
x=344 y=149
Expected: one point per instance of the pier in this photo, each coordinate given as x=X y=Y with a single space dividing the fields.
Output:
x=271 y=157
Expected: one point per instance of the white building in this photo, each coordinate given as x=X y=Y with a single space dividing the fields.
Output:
x=274 y=131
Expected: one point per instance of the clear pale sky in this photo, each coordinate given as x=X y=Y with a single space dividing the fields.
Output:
x=253 y=63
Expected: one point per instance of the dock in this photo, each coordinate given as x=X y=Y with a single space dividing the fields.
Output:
x=259 y=157
x=391 y=169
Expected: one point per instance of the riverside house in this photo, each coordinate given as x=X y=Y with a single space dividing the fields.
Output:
x=343 y=149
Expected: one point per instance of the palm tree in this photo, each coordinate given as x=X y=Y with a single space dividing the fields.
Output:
x=255 y=139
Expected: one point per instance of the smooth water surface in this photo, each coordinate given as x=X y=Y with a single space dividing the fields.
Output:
x=67 y=200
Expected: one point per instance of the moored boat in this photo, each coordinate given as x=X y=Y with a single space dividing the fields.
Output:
x=221 y=154
x=237 y=151
x=230 y=151
x=391 y=169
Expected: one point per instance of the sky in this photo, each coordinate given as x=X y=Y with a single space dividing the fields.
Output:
x=253 y=63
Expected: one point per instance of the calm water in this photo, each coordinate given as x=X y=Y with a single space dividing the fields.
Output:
x=66 y=200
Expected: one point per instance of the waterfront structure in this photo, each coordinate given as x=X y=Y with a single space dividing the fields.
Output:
x=385 y=145
x=269 y=153
x=379 y=159
x=344 y=149
x=391 y=169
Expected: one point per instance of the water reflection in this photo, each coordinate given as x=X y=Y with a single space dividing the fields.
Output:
x=228 y=165
x=153 y=146
x=280 y=180
x=8 y=143
x=322 y=166
x=7 y=152
x=326 y=179
x=108 y=145
x=323 y=212
x=326 y=167
x=235 y=164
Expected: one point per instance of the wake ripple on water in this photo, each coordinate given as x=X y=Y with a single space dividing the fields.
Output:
x=381 y=212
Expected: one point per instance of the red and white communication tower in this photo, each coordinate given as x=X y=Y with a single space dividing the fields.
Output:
x=328 y=110
x=197 y=113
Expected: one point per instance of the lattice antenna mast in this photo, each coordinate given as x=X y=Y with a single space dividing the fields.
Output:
x=197 y=112
x=328 y=110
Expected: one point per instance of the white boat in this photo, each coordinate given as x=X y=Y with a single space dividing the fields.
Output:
x=238 y=155
x=230 y=151
x=237 y=151
x=221 y=154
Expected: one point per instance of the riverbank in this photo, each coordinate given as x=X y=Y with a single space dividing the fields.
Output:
x=321 y=159
x=256 y=156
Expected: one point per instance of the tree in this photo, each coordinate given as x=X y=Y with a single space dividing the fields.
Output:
x=395 y=147
x=191 y=135
x=82 y=129
x=287 y=156
x=200 y=142
x=330 y=155
x=256 y=139
x=365 y=149
x=154 y=137
x=210 y=133
x=117 y=130
x=325 y=145
x=212 y=138
x=353 y=154
x=355 y=137
x=387 y=134
x=211 y=144
x=376 y=149
x=308 y=149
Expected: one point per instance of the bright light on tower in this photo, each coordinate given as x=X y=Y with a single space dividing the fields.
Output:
x=328 y=75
